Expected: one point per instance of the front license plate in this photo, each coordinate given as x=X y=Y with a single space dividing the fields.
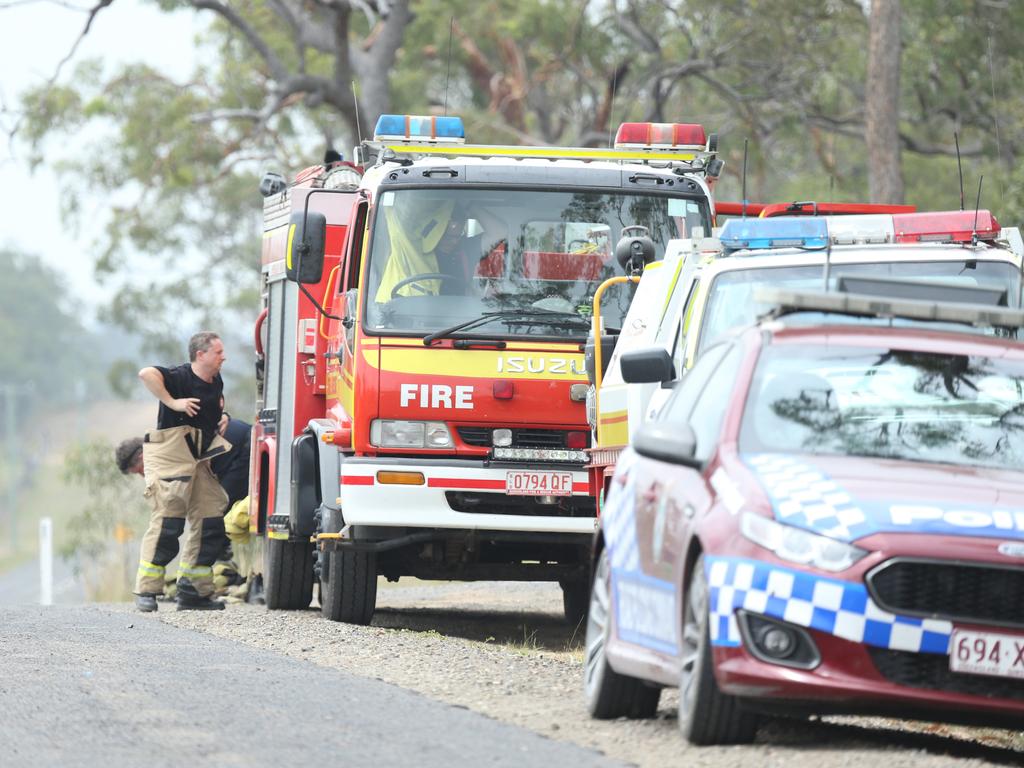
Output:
x=538 y=483
x=987 y=653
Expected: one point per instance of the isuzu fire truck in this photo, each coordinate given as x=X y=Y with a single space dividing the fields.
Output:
x=430 y=420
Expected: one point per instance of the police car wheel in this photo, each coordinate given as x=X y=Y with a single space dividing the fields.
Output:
x=706 y=715
x=610 y=694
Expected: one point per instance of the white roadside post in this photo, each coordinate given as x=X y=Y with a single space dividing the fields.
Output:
x=46 y=561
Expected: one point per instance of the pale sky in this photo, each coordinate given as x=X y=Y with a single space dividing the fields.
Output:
x=34 y=37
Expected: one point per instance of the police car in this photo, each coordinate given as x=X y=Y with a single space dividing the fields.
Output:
x=827 y=516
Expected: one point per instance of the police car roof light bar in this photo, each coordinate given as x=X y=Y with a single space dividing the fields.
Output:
x=780 y=232
x=945 y=226
x=789 y=301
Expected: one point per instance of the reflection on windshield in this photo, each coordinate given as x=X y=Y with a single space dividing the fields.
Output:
x=441 y=257
x=731 y=304
x=918 y=406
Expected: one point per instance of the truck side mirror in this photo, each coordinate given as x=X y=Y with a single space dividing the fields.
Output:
x=642 y=366
x=304 y=255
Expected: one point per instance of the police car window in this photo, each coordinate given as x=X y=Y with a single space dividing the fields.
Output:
x=888 y=403
x=679 y=343
x=681 y=403
x=712 y=403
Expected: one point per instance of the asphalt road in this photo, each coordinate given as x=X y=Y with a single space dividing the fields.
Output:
x=85 y=686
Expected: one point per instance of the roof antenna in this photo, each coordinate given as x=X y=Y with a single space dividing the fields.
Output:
x=611 y=103
x=960 y=168
x=355 y=103
x=977 y=204
x=448 y=74
x=743 y=193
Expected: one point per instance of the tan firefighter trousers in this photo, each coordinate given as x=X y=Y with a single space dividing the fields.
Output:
x=180 y=485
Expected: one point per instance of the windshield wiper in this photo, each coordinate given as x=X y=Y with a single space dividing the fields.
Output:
x=560 y=319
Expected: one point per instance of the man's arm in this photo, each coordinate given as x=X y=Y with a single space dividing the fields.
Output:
x=154 y=381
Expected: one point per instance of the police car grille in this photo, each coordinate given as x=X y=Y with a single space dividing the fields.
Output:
x=953 y=591
x=521 y=438
x=931 y=671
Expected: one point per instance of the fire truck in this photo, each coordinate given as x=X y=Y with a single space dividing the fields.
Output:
x=421 y=353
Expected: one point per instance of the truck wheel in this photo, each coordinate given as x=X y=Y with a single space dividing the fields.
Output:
x=608 y=693
x=288 y=574
x=706 y=715
x=348 y=591
x=575 y=598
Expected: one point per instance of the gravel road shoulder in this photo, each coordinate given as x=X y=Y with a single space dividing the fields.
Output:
x=502 y=650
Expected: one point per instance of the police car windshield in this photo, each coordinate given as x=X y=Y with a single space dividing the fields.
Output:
x=887 y=403
x=441 y=257
x=730 y=301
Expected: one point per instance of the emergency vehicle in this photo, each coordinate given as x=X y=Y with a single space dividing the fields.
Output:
x=826 y=517
x=691 y=299
x=431 y=422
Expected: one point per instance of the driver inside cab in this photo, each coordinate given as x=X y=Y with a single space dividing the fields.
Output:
x=428 y=241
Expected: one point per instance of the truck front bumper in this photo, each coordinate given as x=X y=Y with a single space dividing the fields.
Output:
x=366 y=500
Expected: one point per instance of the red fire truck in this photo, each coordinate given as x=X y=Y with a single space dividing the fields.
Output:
x=422 y=396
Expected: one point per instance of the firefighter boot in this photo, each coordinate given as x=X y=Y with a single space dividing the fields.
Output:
x=189 y=599
x=145 y=603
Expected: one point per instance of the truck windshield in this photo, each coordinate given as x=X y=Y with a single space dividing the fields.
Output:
x=442 y=257
x=731 y=304
x=889 y=403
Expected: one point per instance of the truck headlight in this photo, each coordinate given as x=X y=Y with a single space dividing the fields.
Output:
x=393 y=433
x=798 y=545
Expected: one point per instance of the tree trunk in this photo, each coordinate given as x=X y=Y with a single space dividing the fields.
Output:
x=882 y=103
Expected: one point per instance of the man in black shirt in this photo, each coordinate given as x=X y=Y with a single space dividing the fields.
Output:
x=179 y=482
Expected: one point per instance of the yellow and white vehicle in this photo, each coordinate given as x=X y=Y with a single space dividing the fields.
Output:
x=703 y=290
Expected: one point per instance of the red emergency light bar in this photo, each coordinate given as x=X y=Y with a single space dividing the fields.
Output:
x=945 y=226
x=832 y=209
x=660 y=135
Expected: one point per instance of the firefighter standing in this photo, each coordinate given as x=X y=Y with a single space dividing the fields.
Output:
x=179 y=482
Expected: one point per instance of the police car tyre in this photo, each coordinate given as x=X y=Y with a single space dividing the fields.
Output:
x=288 y=574
x=575 y=599
x=608 y=693
x=348 y=593
x=706 y=715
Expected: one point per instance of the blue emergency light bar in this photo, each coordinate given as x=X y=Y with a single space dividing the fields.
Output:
x=419 y=128
x=776 y=232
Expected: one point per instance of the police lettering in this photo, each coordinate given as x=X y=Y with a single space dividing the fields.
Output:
x=435 y=396
x=910 y=514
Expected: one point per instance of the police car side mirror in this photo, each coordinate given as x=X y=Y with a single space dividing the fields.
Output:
x=304 y=255
x=673 y=443
x=642 y=366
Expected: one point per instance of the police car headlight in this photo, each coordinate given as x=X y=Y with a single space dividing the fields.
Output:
x=798 y=545
x=388 y=433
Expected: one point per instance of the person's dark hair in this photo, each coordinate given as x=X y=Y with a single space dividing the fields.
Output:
x=127 y=453
x=200 y=342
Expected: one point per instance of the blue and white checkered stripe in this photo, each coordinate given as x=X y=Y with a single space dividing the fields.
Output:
x=840 y=608
x=804 y=497
x=619 y=520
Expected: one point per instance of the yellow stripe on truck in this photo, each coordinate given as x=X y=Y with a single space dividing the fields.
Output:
x=493 y=364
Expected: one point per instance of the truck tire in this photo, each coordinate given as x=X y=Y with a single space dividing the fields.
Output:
x=348 y=591
x=288 y=574
x=575 y=599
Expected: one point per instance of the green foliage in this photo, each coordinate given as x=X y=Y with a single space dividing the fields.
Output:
x=114 y=508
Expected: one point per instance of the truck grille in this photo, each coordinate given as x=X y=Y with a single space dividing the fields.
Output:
x=931 y=671
x=521 y=438
x=981 y=594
